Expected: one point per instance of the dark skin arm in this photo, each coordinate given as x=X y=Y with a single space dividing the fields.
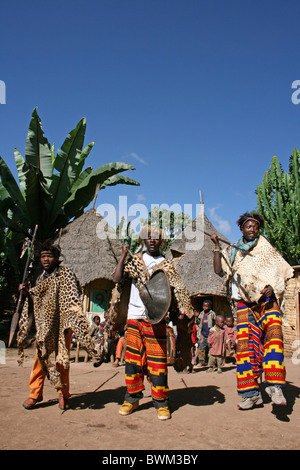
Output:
x=118 y=274
x=217 y=254
x=23 y=288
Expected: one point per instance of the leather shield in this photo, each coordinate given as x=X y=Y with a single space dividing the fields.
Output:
x=156 y=296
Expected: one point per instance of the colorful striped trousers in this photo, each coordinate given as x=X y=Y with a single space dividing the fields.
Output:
x=146 y=354
x=260 y=346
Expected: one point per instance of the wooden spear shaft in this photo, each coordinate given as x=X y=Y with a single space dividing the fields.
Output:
x=15 y=317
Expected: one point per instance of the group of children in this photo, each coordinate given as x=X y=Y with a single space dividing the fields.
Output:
x=214 y=338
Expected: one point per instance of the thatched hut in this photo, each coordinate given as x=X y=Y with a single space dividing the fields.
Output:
x=291 y=317
x=91 y=248
x=196 y=266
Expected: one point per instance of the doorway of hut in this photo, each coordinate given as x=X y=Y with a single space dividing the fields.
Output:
x=220 y=304
x=197 y=302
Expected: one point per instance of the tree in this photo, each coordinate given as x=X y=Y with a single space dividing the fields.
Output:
x=171 y=223
x=278 y=200
x=52 y=190
x=128 y=236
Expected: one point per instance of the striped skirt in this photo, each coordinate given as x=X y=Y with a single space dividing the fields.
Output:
x=260 y=345
x=146 y=354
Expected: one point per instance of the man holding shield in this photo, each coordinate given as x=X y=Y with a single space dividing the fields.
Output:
x=146 y=351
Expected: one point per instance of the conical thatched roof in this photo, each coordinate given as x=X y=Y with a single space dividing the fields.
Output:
x=196 y=266
x=82 y=250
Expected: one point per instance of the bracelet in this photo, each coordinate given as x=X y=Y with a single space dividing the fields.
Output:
x=216 y=249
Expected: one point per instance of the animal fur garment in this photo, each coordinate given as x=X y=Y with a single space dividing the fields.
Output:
x=57 y=307
x=180 y=304
x=261 y=266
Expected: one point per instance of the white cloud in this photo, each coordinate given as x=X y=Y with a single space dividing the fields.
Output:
x=221 y=224
x=136 y=157
x=140 y=197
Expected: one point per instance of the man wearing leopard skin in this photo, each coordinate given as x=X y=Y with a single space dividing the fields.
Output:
x=146 y=352
x=57 y=311
x=257 y=275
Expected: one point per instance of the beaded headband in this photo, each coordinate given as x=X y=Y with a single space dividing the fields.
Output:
x=250 y=218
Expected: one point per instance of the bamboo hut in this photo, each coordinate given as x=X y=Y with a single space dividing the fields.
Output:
x=91 y=248
x=196 y=267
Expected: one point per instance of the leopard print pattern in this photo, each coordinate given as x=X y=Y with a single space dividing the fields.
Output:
x=57 y=307
x=137 y=270
x=179 y=289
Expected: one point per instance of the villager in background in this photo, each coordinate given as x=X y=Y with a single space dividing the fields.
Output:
x=205 y=322
x=120 y=349
x=216 y=344
x=95 y=334
x=257 y=275
x=230 y=337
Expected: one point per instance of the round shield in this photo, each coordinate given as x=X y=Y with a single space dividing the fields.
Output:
x=156 y=296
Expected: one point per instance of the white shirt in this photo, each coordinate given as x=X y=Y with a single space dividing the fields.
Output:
x=136 y=308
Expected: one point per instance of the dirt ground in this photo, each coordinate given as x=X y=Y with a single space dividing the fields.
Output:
x=203 y=406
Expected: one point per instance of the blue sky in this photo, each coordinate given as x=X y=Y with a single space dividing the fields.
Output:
x=195 y=94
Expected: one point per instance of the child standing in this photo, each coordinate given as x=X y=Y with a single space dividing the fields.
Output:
x=205 y=321
x=230 y=337
x=216 y=344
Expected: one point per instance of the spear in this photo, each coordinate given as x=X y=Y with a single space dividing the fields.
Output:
x=15 y=318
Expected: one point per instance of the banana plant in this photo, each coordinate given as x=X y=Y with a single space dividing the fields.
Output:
x=52 y=189
x=278 y=200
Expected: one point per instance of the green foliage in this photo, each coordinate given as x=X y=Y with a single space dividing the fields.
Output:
x=128 y=236
x=278 y=200
x=171 y=223
x=53 y=189
x=3 y=281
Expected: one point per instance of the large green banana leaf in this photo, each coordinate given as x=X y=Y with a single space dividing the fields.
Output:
x=52 y=190
x=84 y=193
x=38 y=149
x=10 y=188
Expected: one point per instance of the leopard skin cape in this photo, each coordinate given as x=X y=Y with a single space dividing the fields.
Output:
x=57 y=306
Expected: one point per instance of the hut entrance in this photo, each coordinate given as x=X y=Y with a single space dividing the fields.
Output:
x=99 y=301
x=96 y=297
x=220 y=305
x=197 y=302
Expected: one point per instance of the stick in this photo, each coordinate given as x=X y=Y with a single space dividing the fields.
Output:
x=15 y=318
x=231 y=244
x=221 y=239
x=105 y=382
